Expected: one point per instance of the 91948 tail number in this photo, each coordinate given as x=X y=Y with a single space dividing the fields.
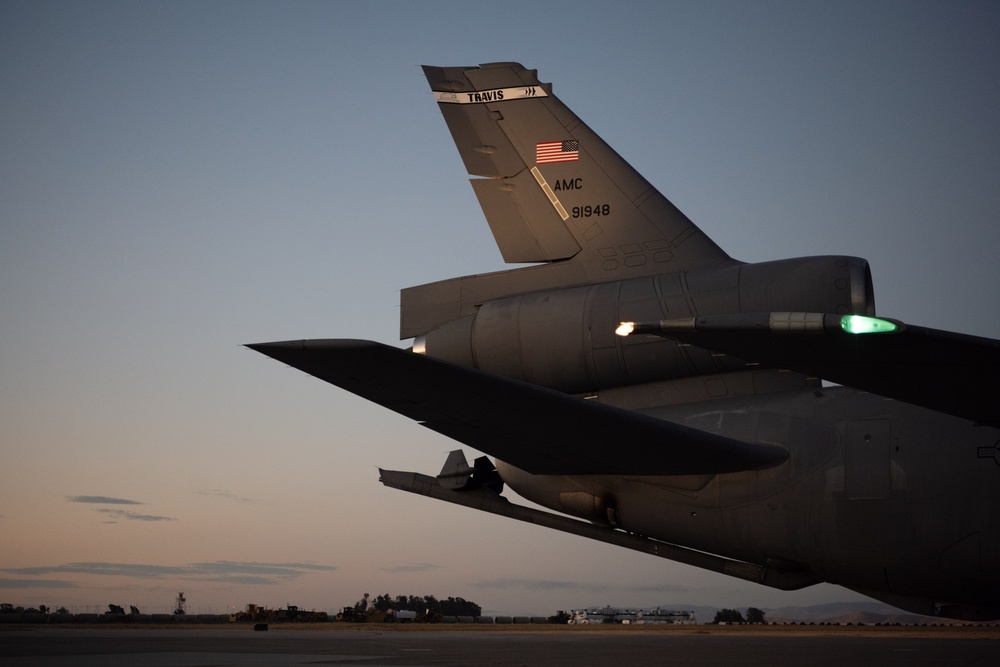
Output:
x=588 y=211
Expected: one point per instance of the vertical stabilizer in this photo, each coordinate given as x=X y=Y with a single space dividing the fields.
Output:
x=551 y=188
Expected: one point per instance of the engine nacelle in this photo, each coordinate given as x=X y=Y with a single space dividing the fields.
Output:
x=564 y=339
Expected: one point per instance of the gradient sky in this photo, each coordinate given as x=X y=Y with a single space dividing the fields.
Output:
x=179 y=178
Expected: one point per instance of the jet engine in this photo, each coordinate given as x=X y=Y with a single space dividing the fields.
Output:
x=564 y=338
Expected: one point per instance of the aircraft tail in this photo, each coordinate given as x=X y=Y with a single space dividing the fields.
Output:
x=553 y=193
x=551 y=188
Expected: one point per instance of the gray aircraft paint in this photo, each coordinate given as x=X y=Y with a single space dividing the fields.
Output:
x=705 y=436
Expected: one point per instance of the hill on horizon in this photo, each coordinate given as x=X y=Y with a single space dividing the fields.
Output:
x=857 y=612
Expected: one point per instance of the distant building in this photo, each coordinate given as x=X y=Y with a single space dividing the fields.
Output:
x=631 y=616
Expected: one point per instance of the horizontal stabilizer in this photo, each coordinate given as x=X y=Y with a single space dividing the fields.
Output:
x=949 y=372
x=541 y=431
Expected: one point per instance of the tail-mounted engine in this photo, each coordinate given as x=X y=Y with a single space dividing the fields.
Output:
x=564 y=338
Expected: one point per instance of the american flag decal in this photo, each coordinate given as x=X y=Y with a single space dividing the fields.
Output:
x=557 y=151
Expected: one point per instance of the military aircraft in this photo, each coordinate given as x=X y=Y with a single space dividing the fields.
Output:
x=660 y=395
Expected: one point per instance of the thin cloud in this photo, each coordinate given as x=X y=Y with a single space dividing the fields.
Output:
x=36 y=583
x=412 y=567
x=532 y=584
x=132 y=516
x=102 y=500
x=228 y=495
x=278 y=570
x=561 y=585
x=119 y=569
x=256 y=573
x=116 y=515
x=231 y=572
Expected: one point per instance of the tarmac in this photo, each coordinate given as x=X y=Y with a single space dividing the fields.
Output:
x=551 y=646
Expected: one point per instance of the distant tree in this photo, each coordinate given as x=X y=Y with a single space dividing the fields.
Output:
x=428 y=605
x=728 y=616
x=408 y=603
x=383 y=602
x=459 y=607
x=755 y=615
x=561 y=618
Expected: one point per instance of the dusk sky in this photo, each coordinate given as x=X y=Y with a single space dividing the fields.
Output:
x=180 y=178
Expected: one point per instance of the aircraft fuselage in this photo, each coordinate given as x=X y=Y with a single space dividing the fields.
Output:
x=877 y=495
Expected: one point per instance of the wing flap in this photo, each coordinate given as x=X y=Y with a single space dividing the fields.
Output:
x=541 y=431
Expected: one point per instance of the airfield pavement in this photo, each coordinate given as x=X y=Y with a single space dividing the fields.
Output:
x=551 y=646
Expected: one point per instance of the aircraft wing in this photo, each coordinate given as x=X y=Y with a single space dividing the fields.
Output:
x=541 y=431
x=949 y=372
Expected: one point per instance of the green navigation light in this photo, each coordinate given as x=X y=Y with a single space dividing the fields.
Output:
x=859 y=324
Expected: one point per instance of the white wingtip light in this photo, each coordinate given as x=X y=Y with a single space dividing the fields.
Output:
x=625 y=328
